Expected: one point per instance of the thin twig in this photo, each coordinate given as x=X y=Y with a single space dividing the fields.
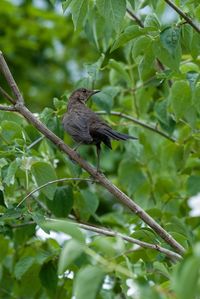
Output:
x=6 y=95
x=135 y=18
x=22 y=224
x=50 y=183
x=140 y=23
x=139 y=122
x=7 y=108
x=143 y=84
x=6 y=71
x=108 y=232
x=122 y=197
x=35 y=142
x=182 y=14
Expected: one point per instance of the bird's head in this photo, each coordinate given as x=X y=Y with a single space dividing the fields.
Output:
x=83 y=94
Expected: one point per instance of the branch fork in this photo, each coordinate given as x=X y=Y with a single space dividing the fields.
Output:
x=18 y=103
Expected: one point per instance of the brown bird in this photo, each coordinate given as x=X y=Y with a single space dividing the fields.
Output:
x=85 y=126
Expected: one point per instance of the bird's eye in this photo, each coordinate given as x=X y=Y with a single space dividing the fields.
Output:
x=83 y=90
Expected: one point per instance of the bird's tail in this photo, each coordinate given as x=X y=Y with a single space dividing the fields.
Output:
x=115 y=135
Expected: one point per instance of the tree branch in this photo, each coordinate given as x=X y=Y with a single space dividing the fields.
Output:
x=6 y=95
x=135 y=18
x=11 y=82
x=122 y=197
x=50 y=183
x=110 y=233
x=7 y=108
x=138 y=122
x=182 y=14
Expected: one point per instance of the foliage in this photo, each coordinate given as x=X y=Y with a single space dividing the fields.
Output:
x=149 y=72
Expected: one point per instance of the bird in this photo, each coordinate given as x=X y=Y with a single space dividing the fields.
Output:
x=85 y=126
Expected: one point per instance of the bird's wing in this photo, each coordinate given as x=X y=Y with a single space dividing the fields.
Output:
x=76 y=125
x=99 y=126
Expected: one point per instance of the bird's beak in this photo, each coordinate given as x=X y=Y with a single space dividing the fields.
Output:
x=95 y=91
x=92 y=93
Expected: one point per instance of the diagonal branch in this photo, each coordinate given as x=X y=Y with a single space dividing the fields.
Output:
x=6 y=95
x=122 y=197
x=135 y=18
x=183 y=15
x=140 y=123
x=6 y=71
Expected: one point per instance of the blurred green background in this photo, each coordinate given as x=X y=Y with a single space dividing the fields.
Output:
x=40 y=46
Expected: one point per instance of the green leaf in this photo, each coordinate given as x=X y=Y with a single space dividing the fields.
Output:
x=195 y=46
x=104 y=100
x=112 y=10
x=53 y=2
x=170 y=40
x=152 y=21
x=88 y=282
x=185 y=278
x=66 y=227
x=161 y=268
x=11 y=130
x=23 y=265
x=186 y=36
x=193 y=184
x=65 y=4
x=62 y=202
x=86 y=204
x=131 y=175
x=145 y=234
x=10 y=176
x=71 y=251
x=180 y=98
x=94 y=68
x=132 y=3
x=23 y=234
x=119 y=67
x=172 y=61
x=79 y=12
x=129 y=33
x=196 y=97
x=106 y=246
x=3 y=162
x=31 y=283
x=4 y=247
x=163 y=117
x=43 y=173
x=48 y=277
x=141 y=45
x=144 y=68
